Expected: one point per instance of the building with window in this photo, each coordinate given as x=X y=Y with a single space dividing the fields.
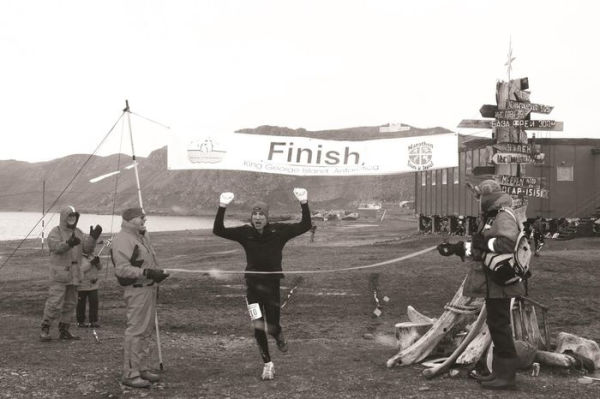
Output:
x=570 y=172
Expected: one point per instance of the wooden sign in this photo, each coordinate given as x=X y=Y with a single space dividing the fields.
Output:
x=524 y=181
x=531 y=107
x=511 y=114
x=518 y=148
x=540 y=124
x=503 y=158
x=525 y=191
x=488 y=110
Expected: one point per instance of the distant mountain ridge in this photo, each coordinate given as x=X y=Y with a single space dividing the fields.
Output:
x=193 y=192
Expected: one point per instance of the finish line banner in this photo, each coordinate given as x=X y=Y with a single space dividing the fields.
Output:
x=304 y=156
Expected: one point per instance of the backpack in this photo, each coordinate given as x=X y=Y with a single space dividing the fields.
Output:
x=507 y=269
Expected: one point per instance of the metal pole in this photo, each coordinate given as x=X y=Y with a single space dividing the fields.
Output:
x=135 y=168
x=43 y=210
x=139 y=192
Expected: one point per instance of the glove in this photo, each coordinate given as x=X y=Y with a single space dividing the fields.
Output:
x=301 y=194
x=95 y=231
x=479 y=242
x=157 y=275
x=95 y=261
x=134 y=257
x=73 y=241
x=225 y=199
x=447 y=249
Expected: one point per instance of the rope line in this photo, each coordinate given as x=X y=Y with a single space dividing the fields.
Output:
x=344 y=269
x=62 y=192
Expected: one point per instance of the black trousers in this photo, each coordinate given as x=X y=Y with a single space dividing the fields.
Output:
x=265 y=292
x=82 y=298
x=498 y=321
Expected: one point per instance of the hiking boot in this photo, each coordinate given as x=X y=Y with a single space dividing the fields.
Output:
x=82 y=325
x=505 y=370
x=94 y=325
x=481 y=377
x=281 y=342
x=485 y=378
x=45 y=334
x=136 y=382
x=268 y=371
x=64 y=333
x=150 y=376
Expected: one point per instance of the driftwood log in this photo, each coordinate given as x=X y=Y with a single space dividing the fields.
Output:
x=408 y=332
x=555 y=359
x=419 y=337
x=420 y=349
x=473 y=332
x=476 y=349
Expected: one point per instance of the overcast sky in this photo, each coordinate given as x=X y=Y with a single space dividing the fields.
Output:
x=68 y=66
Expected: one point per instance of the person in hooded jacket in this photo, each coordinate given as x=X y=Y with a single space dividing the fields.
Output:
x=67 y=244
x=496 y=233
x=87 y=291
x=263 y=243
x=137 y=269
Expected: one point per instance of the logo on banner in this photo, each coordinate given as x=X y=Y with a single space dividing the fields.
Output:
x=420 y=156
x=205 y=150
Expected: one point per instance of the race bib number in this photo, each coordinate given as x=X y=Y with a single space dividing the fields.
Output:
x=254 y=311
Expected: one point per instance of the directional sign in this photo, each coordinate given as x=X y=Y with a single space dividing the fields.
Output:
x=525 y=191
x=539 y=108
x=488 y=110
x=525 y=181
x=518 y=148
x=541 y=124
x=511 y=114
x=503 y=158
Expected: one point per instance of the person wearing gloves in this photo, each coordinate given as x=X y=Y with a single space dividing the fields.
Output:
x=496 y=235
x=67 y=244
x=136 y=268
x=87 y=291
x=263 y=243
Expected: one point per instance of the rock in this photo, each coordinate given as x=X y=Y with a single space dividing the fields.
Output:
x=368 y=336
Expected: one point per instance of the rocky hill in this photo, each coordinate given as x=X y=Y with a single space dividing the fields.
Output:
x=191 y=192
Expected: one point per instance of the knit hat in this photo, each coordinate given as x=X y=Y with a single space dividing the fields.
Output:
x=131 y=213
x=260 y=206
x=491 y=196
x=488 y=187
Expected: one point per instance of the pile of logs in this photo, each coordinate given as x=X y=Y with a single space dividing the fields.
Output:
x=419 y=338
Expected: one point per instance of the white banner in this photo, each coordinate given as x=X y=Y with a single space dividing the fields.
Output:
x=303 y=156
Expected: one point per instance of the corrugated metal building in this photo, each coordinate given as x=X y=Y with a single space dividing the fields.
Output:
x=570 y=172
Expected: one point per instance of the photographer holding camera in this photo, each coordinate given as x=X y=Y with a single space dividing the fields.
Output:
x=491 y=276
